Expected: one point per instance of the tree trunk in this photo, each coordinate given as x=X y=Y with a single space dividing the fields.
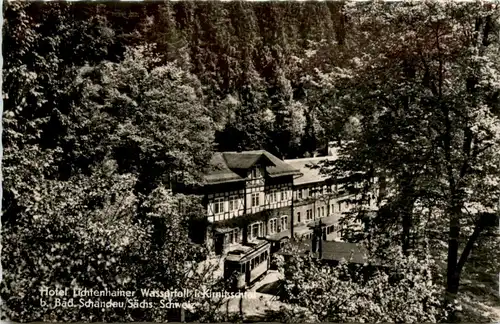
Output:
x=452 y=275
x=407 y=202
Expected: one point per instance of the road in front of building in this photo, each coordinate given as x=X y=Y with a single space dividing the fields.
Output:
x=258 y=304
x=261 y=298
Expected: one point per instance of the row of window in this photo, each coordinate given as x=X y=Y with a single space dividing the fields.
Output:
x=234 y=205
x=259 y=259
x=276 y=225
x=235 y=202
x=276 y=196
x=219 y=208
x=273 y=225
x=322 y=211
x=311 y=192
x=325 y=231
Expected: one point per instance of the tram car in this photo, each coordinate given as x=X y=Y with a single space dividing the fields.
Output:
x=247 y=264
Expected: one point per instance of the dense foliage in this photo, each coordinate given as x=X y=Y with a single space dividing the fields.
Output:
x=402 y=291
x=107 y=105
x=432 y=130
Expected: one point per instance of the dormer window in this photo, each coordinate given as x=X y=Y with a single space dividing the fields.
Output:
x=254 y=173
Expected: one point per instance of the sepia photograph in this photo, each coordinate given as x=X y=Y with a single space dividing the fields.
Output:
x=250 y=161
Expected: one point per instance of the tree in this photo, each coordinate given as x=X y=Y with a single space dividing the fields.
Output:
x=404 y=291
x=80 y=213
x=154 y=118
x=432 y=127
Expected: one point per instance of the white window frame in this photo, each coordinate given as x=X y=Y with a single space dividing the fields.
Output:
x=233 y=235
x=273 y=197
x=251 y=237
x=220 y=203
x=255 y=198
x=234 y=201
x=284 y=224
x=273 y=226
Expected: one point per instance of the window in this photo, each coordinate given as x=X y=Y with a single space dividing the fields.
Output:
x=299 y=194
x=304 y=193
x=340 y=206
x=284 y=223
x=332 y=208
x=273 y=226
x=233 y=203
x=274 y=198
x=233 y=237
x=254 y=231
x=254 y=173
x=284 y=195
x=319 y=213
x=218 y=205
x=255 y=199
x=298 y=217
x=309 y=214
x=323 y=211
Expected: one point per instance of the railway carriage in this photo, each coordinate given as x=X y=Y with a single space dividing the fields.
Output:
x=247 y=265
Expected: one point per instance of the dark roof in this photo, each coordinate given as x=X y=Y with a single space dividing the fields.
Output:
x=228 y=166
x=279 y=236
x=244 y=160
x=337 y=251
x=219 y=171
x=309 y=169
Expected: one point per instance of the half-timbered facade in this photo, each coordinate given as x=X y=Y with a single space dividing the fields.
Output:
x=248 y=197
x=253 y=196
